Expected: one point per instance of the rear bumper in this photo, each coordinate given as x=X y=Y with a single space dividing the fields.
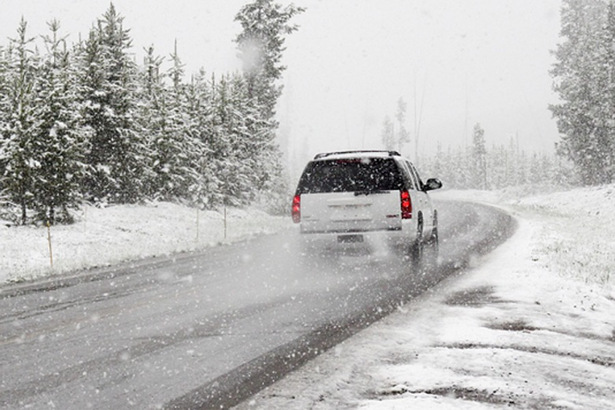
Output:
x=373 y=241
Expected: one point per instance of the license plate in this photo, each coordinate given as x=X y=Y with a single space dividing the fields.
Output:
x=350 y=238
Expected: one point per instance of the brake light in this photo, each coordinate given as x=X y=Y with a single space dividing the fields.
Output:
x=406 y=205
x=296 y=210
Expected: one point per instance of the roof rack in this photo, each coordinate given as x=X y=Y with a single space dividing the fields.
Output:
x=327 y=154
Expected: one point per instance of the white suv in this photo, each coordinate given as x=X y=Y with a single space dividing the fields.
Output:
x=365 y=199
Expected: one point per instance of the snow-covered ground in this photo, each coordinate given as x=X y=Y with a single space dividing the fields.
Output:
x=528 y=326
x=531 y=325
x=103 y=236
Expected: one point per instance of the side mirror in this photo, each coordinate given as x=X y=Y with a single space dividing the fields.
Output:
x=431 y=184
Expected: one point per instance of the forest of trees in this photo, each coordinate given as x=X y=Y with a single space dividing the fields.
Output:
x=483 y=166
x=480 y=165
x=85 y=122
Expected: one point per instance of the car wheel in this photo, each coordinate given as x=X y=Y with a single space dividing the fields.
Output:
x=432 y=250
x=417 y=248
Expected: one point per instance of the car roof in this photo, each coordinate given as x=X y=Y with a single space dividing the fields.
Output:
x=355 y=154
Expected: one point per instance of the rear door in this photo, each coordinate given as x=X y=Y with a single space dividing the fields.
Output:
x=350 y=195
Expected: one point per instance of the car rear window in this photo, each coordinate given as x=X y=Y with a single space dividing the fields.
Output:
x=350 y=175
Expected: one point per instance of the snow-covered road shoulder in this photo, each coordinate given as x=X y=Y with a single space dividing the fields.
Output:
x=528 y=326
x=109 y=235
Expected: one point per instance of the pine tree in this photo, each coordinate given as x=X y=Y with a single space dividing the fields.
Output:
x=166 y=123
x=58 y=146
x=216 y=140
x=117 y=153
x=267 y=178
x=151 y=95
x=438 y=166
x=182 y=148
x=499 y=165
x=204 y=190
x=235 y=150
x=261 y=43
x=605 y=115
x=21 y=123
x=388 y=134
x=581 y=73
x=231 y=157
x=403 y=136
x=479 y=158
x=4 y=120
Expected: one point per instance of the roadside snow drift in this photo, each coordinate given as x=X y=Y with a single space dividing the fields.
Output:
x=103 y=236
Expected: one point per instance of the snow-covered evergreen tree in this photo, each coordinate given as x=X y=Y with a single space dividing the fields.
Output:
x=388 y=134
x=403 y=136
x=583 y=81
x=117 y=151
x=605 y=115
x=4 y=111
x=261 y=43
x=204 y=190
x=165 y=116
x=234 y=155
x=502 y=165
x=188 y=146
x=21 y=123
x=210 y=117
x=479 y=158
x=57 y=149
x=258 y=151
x=149 y=114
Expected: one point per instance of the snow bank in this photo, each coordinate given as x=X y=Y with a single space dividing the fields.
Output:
x=579 y=239
x=103 y=236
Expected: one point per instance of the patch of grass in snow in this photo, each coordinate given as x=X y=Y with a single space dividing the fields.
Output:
x=588 y=259
x=577 y=238
x=578 y=246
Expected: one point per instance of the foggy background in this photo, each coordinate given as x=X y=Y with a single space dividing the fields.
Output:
x=455 y=63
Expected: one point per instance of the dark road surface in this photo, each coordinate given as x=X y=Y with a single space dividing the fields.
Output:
x=208 y=330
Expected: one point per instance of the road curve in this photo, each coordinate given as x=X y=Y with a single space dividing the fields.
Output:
x=209 y=329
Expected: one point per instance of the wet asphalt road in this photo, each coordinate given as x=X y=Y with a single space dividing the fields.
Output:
x=208 y=330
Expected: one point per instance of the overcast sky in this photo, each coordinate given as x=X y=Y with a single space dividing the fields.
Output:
x=462 y=62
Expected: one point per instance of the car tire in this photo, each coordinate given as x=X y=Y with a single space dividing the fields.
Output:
x=417 y=248
x=432 y=250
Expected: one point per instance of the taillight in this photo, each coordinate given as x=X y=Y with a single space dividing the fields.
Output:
x=296 y=211
x=406 y=205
